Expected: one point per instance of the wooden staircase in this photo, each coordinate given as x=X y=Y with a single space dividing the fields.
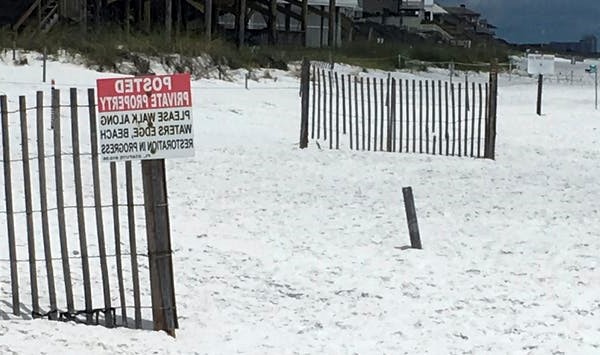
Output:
x=47 y=12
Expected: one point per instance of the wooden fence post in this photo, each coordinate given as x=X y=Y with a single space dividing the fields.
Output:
x=411 y=218
x=304 y=88
x=164 y=311
x=491 y=121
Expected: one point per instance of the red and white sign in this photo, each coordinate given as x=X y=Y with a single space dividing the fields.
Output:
x=145 y=117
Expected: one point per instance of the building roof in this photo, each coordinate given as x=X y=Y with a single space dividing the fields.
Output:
x=353 y=4
x=437 y=9
x=461 y=11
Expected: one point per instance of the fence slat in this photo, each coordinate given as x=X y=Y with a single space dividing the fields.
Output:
x=390 y=113
x=375 y=111
x=420 y=116
x=304 y=103
x=393 y=95
x=362 y=111
x=472 y=119
x=16 y=306
x=330 y=110
x=318 y=91
x=447 y=135
x=369 y=114
x=343 y=104
x=407 y=89
x=10 y=221
x=350 y=110
x=314 y=96
x=401 y=116
x=393 y=113
x=98 y=206
x=434 y=133
x=486 y=118
x=382 y=107
x=337 y=112
x=60 y=203
x=85 y=266
x=459 y=120
x=133 y=245
x=427 y=116
x=44 y=203
x=390 y=127
x=440 y=116
x=319 y=94
x=453 y=119
x=356 y=111
x=324 y=105
x=414 y=106
x=467 y=108
x=479 y=123
x=35 y=303
x=117 y=230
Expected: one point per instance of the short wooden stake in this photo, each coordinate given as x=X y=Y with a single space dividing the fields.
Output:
x=304 y=87
x=411 y=218
x=539 y=95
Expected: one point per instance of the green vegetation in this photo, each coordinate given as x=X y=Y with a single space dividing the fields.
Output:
x=107 y=47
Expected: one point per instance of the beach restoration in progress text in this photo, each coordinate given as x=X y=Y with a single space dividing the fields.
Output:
x=145 y=117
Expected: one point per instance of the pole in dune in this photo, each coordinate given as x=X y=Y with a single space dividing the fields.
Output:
x=540 y=65
x=538 y=109
x=411 y=218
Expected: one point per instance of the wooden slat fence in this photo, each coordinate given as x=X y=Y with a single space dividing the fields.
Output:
x=59 y=204
x=387 y=113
